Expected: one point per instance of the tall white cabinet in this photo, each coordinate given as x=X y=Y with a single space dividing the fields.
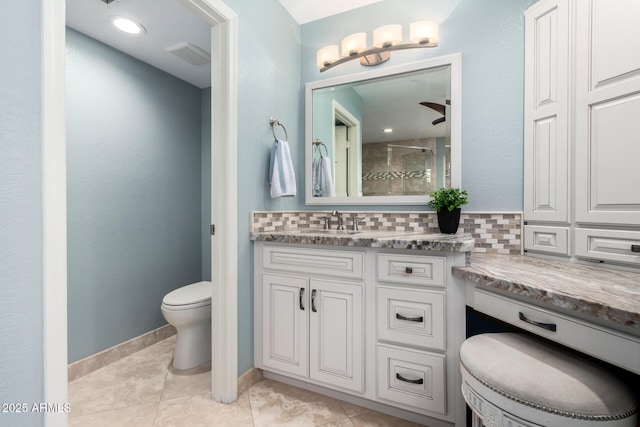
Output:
x=582 y=130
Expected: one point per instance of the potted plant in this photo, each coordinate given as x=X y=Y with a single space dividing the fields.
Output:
x=447 y=202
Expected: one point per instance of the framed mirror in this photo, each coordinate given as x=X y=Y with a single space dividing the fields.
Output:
x=388 y=136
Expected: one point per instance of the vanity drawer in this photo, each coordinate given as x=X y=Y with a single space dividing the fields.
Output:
x=609 y=245
x=553 y=240
x=314 y=261
x=611 y=346
x=412 y=317
x=412 y=378
x=411 y=269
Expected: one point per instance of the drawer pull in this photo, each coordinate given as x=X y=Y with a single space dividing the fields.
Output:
x=410 y=319
x=401 y=378
x=635 y=248
x=408 y=270
x=548 y=326
x=300 y=299
x=313 y=301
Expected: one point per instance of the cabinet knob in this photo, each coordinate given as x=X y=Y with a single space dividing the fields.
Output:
x=635 y=248
x=408 y=270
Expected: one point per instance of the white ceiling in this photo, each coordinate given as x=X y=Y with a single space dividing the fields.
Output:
x=304 y=11
x=168 y=23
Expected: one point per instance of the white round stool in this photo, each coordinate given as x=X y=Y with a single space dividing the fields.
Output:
x=512 y=380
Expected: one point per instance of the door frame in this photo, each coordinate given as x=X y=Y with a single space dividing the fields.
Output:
x=224 y=35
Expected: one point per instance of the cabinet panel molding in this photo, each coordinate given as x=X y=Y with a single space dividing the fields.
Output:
x=614 y=41
x=336 y=334
x=546 y=116
x=285 y=332
x=411 y=317
x=547 y=239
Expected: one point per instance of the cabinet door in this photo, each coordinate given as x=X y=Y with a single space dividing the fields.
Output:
x=608 y=112
x=336 y=334
x=546 y=109
x=284 y=311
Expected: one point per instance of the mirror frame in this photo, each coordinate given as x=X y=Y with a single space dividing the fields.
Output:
x=454 y=61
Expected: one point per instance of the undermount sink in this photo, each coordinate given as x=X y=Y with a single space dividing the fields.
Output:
x=336 y=232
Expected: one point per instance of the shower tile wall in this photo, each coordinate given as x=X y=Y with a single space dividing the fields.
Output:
x=395 y=171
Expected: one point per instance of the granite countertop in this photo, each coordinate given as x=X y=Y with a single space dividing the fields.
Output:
x=371 y=239
x=610 y=296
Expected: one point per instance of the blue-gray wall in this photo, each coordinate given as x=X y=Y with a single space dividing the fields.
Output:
x=21 y=291
x=134 y=191
x=268 y=85
x=490 y=37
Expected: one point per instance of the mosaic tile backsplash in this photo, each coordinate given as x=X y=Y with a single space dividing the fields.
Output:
x=494 y=232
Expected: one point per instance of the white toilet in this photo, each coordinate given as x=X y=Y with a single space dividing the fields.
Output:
x=188 y=309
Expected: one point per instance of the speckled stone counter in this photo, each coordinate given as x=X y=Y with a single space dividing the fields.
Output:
x=593 y=292
x=371 y=239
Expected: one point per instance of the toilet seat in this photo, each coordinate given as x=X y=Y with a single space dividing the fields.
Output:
x=188 y=297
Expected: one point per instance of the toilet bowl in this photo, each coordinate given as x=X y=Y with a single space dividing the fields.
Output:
x=188 y=309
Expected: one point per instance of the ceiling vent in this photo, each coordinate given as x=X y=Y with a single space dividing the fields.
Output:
x=190 y=53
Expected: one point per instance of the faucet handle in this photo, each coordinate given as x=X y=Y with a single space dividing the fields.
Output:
x=355 y=221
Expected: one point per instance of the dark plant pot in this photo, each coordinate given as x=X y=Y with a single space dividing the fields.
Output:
x=449 y=221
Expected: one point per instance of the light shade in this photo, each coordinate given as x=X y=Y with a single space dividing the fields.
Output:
x=127 y=25
x=423 y=32
x=387 y=35
x=327 y=55
x=354 y=44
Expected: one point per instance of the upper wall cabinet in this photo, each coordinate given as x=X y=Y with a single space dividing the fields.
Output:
x=608 y=112
x=582 y=129
x=546 y=110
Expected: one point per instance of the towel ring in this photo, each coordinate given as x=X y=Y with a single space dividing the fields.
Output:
x=273 y=122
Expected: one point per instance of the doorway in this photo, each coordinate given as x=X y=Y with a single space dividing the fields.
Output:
x=347 y=152
x=223 y=22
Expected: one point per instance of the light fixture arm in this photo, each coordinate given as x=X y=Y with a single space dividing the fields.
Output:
x=376 y=55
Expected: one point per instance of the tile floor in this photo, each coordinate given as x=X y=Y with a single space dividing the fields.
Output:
x=142 y=390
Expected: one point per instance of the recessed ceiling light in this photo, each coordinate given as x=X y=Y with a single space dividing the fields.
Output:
x=127 y=25
x=388 y=130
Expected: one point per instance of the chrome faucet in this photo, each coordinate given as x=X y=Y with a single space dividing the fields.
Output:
x=339 y=215
x=355 y=223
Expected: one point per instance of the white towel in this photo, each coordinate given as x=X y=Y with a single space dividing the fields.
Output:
x=281 y=175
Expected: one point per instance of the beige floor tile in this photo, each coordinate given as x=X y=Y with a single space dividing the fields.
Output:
x=377 y=419
x=352 y=410
x=342 y=423
x=277 y=404
x=180 y=384
x=135 y=380
x=137 y=416
x=201 y=411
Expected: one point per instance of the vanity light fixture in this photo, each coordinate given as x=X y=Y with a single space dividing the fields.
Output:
x=385 y=39
x=127 y=25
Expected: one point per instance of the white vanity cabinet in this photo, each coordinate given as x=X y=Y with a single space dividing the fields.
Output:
x=312 y=316
x=377 y=327
x=411 y=339
x=582 y=103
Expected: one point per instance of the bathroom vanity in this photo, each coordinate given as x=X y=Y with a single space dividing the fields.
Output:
x=375 y=318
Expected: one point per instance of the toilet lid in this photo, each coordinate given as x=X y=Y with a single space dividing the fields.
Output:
x=190 y=294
